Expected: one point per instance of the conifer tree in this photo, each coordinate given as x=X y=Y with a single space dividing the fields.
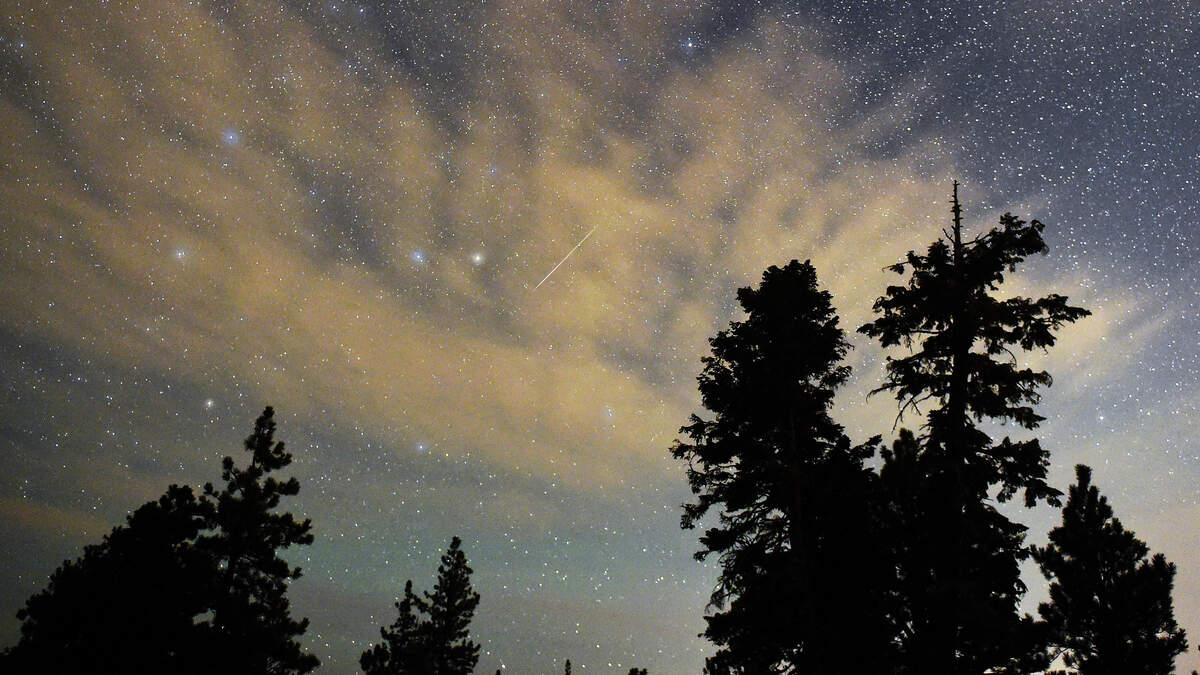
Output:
x=962 y=594
x=794 y=528
x=451 y=607
x=431 y=634
x=186 y=586
x=128 y=604
x=403 y=650
x=1110 y=607
x=251 y=617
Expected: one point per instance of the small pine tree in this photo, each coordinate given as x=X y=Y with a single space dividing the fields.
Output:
x=451 y=607
x=1110 y=607
x=403 y=650
x=567 y=668
x=430 y=635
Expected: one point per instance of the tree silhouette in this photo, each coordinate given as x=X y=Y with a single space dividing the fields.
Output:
x=962 y=591
x=186 y=586
x=794 y=530
x=128 y=604
x=1110 y=607
x=567 y=667
x=403 y=650
x=250 y=610
x=430 y=634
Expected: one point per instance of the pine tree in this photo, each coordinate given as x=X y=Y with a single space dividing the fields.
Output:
x=186 y=586
x=251 y=620
x=1110 y=607
x=128 y=604
x=794 y=532
x=567 y=668
x=403 y=650
x=430 y=635
x=963 y=599
x=451 y=607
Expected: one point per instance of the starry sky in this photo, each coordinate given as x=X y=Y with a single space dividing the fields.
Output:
x=344 y=209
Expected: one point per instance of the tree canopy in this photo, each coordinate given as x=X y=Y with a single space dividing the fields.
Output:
x=961 y=585
x=788 y=486
x=1110 y=606
x=430 y=635
x=187 y=585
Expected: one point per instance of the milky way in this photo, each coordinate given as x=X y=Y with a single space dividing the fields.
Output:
x=340 y=208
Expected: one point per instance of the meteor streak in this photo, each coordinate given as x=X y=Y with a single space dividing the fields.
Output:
x=564 y=259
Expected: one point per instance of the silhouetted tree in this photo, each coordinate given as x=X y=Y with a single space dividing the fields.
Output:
x=637 y=671
x=567 y=668
x=962 y=591
x=403 y=650
x=794 y=531
x=451 y=607
x=430 y=635
x=251 y=617
x=128 y=604
x=1110 y=607
x=187 y=585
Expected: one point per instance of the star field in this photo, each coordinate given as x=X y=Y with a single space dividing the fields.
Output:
x=343 y=209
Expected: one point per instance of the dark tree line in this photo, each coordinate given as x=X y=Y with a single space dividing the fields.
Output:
x=829 y=566
x=194 y=584
x=829 y=563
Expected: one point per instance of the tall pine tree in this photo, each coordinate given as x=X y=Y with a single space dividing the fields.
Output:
x=1110 y=607
x=251 y=616
x=800 y=581
x=962 y=590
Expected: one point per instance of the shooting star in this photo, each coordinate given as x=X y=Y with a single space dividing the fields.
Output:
x=564 y=259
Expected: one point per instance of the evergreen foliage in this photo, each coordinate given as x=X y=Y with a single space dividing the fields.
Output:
x=962 y=585
x=1110 y=607
x=793 y=534
x=250 y=608
x=187 y=585
x=403 y=648
x=128 y=604
x=430 y=634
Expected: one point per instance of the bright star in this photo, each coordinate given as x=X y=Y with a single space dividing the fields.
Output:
x=477 y=257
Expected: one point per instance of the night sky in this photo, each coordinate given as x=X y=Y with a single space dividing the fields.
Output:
x=344 y=210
